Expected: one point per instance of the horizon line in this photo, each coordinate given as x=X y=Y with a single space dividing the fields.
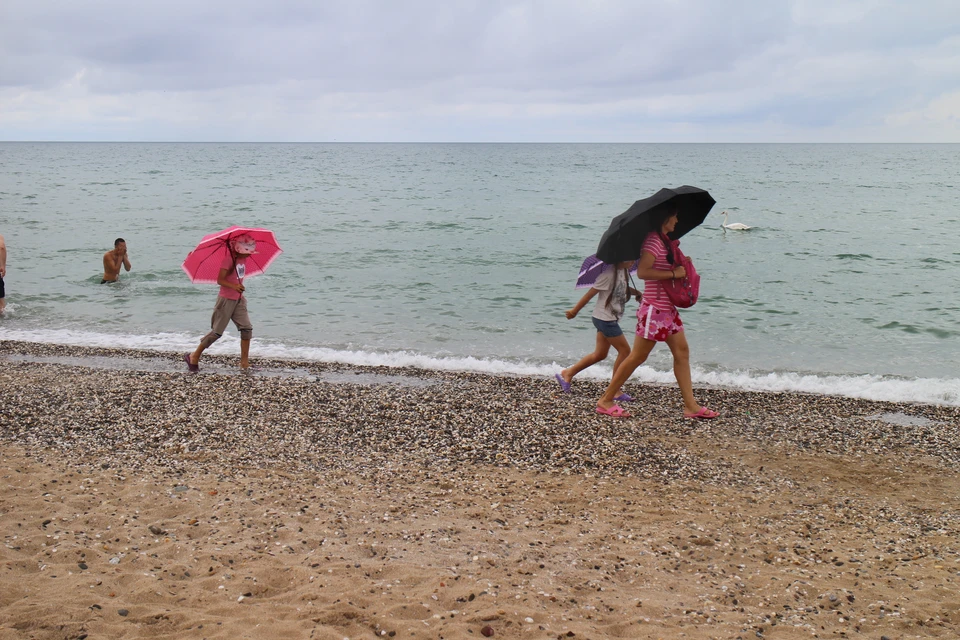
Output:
x=442 y=142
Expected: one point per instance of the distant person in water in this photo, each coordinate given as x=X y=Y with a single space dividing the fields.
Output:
x=113 y=260
x=3 y=274
x=231 y=304
x=615 y=291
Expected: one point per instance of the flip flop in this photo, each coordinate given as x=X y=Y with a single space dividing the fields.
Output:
x=703 y=414
x=616 y=411
x=624 y=397
x=190 y=365
x=563 y=383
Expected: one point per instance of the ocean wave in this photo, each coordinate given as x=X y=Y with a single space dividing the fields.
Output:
x=938 y=391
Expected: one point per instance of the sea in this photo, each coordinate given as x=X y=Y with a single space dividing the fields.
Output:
x=464 y=256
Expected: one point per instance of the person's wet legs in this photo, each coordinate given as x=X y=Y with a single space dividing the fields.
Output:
x=244 y=354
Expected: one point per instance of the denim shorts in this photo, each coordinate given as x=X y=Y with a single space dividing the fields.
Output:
x=609 y=328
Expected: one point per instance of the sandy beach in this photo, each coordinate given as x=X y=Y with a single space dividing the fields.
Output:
x=324 y=501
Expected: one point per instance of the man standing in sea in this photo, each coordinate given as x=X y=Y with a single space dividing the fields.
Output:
x=112 y=261
x=3 y=273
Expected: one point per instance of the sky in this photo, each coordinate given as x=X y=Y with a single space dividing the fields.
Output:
x=481 y=70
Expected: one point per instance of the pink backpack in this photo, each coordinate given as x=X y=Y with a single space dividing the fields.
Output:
x=683 y=292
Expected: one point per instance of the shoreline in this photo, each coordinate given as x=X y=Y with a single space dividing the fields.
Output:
x=434 y=504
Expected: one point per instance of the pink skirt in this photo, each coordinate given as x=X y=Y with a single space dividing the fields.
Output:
x=654 y=324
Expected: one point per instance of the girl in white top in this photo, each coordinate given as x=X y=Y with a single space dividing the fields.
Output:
x=614 y=292
x=657 y=321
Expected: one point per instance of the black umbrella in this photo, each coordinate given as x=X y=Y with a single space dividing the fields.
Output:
x=624 y=238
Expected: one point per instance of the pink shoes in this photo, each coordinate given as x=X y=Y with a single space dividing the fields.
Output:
x=703 y=414
x=616 y=411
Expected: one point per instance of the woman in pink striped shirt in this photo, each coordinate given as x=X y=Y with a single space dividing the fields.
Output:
x=657 y=321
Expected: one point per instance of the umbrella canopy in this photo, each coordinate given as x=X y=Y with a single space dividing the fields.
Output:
x=624 y=238
x=203 y=263
x=591 y=269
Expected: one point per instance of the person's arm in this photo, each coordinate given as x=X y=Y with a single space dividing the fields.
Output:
x=126 y=262
x=572 y=313
x=3 y=258
x=646 y=271
x=222 y=281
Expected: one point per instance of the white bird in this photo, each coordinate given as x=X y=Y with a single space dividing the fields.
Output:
x=736 y=226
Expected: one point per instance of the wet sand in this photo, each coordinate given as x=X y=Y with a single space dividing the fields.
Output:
x=326 y=501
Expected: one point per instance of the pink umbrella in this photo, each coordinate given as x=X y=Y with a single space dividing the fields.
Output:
x=203 y=263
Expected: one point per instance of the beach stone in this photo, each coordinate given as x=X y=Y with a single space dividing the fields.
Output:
x=155 y=530
x=82 y=565
x=123 y=612
x=487 y=631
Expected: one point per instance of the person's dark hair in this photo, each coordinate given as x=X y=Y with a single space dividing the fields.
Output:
x=117 y=242
x=658 y=217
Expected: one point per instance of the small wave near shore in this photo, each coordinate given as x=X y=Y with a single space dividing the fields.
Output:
x=937 y=391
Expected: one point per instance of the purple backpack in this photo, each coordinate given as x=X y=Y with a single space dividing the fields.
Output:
x=683 y=292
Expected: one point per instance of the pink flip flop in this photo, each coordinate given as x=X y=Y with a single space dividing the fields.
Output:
x=616 y=411
x=703 y=414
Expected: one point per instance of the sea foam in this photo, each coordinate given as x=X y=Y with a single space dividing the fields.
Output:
x=869 y=387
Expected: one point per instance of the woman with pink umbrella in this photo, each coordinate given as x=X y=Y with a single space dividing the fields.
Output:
x=232 y=254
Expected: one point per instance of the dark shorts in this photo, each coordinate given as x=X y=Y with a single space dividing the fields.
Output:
x=609 y=328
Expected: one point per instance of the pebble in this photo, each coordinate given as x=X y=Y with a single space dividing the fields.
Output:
x=461 y=424
x=459 y=420
x=123 y=612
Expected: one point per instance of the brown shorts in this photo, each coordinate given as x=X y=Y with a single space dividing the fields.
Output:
x=223 y=312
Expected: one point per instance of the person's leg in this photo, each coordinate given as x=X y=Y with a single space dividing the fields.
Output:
x=222 y=311
x=244 y=354
x=600 y=352
x=623 y=350
x=637 y=356
x=242 y=319
x=681 y=369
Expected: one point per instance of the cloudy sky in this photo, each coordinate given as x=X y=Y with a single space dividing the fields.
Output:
x=481 y=70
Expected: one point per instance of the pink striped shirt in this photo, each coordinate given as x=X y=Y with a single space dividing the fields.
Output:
x=653 y=291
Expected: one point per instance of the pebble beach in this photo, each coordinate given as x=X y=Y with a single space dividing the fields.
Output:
x=309 y=500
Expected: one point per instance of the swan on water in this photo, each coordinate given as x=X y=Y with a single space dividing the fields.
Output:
x=736 y=226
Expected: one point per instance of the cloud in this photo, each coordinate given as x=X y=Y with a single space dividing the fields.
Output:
x=474 y=69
